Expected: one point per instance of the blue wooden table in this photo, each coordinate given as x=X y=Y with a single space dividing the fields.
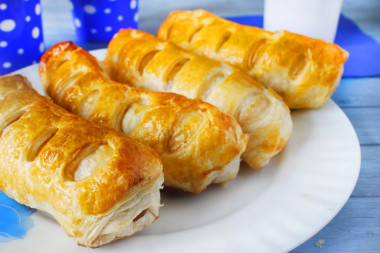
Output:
x=357 y=226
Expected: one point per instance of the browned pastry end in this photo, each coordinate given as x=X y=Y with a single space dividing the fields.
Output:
x=92 y=179
x=304 y=71
x=152 y=64
x=197 y=143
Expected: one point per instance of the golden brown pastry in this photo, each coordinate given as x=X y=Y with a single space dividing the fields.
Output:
x=152 y=64
x=304 y=71
x=198 y=144
x=100 y=185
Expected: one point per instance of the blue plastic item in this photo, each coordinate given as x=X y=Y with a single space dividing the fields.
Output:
x=96 y=20
x=21 y=37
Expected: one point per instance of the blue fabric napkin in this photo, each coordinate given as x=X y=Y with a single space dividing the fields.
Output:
x=364 y=50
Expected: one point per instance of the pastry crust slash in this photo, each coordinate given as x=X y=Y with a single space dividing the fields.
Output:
x=152 y=64
x=198 y=144
x=100 y=185
x=304 y=71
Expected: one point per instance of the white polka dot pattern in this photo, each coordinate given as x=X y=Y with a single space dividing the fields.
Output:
x=7 y=25
x=21 y=40
x=37 y=9
x=89 y=9
x=133 y=4
x=136 y=17
x=77 y=22
x=42 y=47
x=96 y=20
x=7 y=65
x=35 y=32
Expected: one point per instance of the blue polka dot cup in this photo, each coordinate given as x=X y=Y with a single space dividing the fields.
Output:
x=96 y=20
x=21 y=38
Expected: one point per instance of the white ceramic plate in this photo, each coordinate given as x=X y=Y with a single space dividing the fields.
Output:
x=271 y=210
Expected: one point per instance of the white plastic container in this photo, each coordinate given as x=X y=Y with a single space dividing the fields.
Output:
x=313 y=18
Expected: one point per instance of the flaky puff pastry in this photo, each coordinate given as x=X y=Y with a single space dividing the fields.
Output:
x=152 y=64
x=100 y=185
x=197 y=143
x=304 y=71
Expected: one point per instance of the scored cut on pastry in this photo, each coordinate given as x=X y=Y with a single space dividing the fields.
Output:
x=303 y=70
x=100 y=185
x=150 y=63
x=198 y=144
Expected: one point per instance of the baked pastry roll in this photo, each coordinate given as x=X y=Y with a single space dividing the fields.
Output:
x=304 y=71
x=100 y=185
x=152 y=64
x=197 y=143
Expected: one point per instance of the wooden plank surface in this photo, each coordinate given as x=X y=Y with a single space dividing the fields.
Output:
x=357 y=226
x=354 y=229
x=368 y=183
x=366 y=122
x=358 y=92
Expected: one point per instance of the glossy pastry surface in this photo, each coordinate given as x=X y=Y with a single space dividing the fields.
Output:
x=100 y=185
x=304 y=71
x=152 y=64
x=197 y=143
